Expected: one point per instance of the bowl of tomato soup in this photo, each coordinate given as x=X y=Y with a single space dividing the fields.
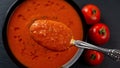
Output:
x=31 y=54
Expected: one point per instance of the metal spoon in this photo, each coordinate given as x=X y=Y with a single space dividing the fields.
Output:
x=112 y=53
x=47 y=38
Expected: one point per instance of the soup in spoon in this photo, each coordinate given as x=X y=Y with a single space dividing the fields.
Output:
x=51 y=34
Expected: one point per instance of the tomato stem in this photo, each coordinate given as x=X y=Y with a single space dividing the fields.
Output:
x=93 y=56
x=93 y=11
x=102 y=31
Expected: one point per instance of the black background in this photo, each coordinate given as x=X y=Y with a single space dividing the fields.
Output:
x=110 y=15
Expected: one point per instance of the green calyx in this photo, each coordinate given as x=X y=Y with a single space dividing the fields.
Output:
x=93 y=11
x=93 y=57
x=102 y=31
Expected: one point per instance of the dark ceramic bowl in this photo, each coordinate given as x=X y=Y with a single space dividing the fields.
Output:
x=9 y=13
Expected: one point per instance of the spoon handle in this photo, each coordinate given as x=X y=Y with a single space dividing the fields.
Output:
x=112 y=53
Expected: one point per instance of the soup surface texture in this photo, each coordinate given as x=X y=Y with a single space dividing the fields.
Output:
x=25 y=48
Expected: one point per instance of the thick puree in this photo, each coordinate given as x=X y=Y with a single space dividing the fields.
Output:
x=52 y=35
x=22 y=45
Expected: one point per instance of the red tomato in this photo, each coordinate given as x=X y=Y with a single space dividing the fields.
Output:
x=91 y=13
x=93 y=57
x=99 y=33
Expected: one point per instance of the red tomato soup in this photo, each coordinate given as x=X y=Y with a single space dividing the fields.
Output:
x=25 y=49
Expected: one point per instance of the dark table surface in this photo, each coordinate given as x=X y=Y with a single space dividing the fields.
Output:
x=110 y=15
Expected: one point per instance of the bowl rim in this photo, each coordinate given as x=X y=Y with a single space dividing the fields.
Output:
x=74 y=58
x=80 y=50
